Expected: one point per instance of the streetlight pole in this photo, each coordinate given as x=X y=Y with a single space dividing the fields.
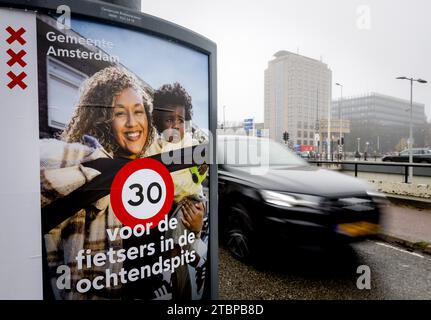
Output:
x=411 y=132
x=329 y=138
x=317 y=126
x=378 y=144
x=340 y=145
x=410 y=144
x=366 y=150
x=224 y=118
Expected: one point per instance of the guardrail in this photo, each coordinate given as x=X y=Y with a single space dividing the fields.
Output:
x=404 y=165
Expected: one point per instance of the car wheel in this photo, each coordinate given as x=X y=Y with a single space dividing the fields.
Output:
x=238 y=233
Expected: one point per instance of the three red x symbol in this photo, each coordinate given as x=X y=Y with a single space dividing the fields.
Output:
x=16 y=35
x=16 y=58
x=17 y=80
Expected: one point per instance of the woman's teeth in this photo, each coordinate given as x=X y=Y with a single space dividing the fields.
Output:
x=132 y=135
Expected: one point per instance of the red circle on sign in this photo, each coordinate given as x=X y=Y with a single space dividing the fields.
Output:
x=117 y=188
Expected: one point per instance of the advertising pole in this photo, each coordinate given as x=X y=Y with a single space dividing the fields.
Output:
x=112 y=183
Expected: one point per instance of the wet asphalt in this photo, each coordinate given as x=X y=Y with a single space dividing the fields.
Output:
x=327 y=274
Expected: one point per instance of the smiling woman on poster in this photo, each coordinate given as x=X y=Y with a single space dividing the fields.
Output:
x=115 y=109
x=112 y=120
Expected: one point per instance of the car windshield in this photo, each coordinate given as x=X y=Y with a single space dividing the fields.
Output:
x=250 y=151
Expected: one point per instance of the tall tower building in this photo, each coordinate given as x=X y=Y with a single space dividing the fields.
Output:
x=297 y=95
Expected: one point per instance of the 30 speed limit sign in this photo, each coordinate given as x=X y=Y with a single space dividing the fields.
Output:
x=142 y=192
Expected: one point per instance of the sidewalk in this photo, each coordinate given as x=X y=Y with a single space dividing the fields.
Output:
x=409 y=226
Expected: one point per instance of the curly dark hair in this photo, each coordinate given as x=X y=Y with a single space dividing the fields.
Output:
x=94 y=113
x=172 y=95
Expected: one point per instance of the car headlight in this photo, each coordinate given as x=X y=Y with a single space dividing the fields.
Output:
x=378 y=197
x=373 y=193
x=289 y=200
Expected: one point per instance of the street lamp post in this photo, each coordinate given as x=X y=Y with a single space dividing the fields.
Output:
x=329 y=137
x=340 y=144
x=224 y=118
x=366 y=150
x=378 y=144
x=317 y=126
x=410 y=143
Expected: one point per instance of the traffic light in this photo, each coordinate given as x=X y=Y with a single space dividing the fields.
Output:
x=285 y=136
x=342 y=141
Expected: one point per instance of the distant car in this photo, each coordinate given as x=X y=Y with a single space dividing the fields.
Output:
x=305 y=154
x=289 y=200
x=420 y=155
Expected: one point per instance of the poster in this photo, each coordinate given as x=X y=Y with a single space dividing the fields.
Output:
x=119 y=218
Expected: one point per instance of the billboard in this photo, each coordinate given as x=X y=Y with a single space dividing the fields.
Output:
x=107 y=107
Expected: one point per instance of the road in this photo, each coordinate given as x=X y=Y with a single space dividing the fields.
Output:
x=319 y=274
x=408 y=223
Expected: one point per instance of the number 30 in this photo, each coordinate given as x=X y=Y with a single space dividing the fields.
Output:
x=140 y=193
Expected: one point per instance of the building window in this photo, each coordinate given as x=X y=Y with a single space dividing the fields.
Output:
x=299 y=134
x=63 y=87
x=298 y=142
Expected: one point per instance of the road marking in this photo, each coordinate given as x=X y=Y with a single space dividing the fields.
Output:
x=398 y=249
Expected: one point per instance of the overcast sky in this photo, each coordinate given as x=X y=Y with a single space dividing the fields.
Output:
x=366 y=44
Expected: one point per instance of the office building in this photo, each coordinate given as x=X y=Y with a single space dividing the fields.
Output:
x=297 y=96
x=379 y=122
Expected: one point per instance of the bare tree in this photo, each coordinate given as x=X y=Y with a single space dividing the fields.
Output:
x=401 y=145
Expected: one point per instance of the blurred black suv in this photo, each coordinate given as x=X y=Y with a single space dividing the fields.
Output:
x=266 y=192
